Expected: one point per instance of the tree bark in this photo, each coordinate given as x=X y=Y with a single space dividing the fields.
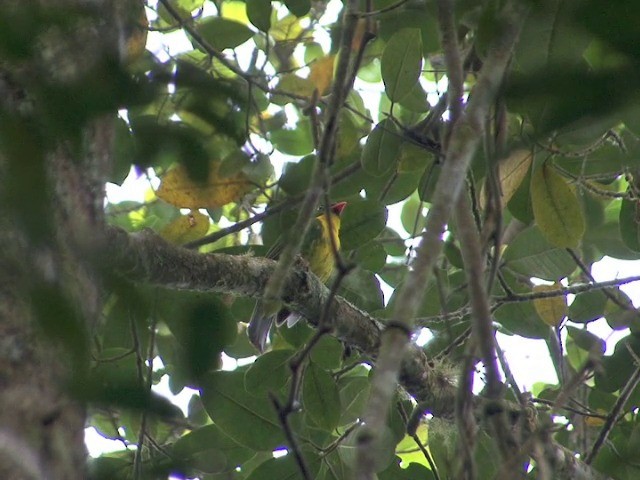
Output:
x=51 y=213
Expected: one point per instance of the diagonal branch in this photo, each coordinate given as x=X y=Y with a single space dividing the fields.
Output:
x=463 y=142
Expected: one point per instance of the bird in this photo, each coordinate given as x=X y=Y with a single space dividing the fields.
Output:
x=317 y=250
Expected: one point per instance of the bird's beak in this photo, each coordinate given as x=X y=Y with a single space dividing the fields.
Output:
x=338 y=207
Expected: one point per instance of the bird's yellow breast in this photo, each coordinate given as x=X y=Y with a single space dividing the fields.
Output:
x=320 y=256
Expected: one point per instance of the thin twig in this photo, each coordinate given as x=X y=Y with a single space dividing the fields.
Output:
x=613 y=415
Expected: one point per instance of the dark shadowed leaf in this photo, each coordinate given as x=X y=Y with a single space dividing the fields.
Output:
x=382 y=151
x=223 y=33
x=320 y=397
x=362 y=221
x=530 y=254
x=401 y=63
x=259 y=13
x=250 y=421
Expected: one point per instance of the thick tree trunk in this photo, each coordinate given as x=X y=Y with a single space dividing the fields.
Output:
x=51 y=216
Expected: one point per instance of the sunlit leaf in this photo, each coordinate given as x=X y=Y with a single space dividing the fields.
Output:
x=291 y=86
x=179 y=189
x=321 y=73
x=186 y=228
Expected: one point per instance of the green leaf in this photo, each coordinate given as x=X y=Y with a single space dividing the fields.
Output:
x=614 y=26
x=412 y=217
x=371 y=256
x=381 y=153
x=392 y=242
x=401 y=63
x=384 y=447
x=259 y=13
x=354 y=392
x=412 y=471
x=615 y=370
x=286 y=467
x=182 y=7
x=586 y=340
x=362 y=288
x=103 y=468
x=556 y=208
x=393 y=187
x=123 y=152
x=620 y=312
x=521 y=319
x=209 y=450
x=362 y=221
x=269 y=372
x=296 y=175
x=530 y=254
x=162 y=145
x=297 y=141
x=418 y=16
x=320 y=397
x=587 y=306
x=550 y=37
x=606 y=239
x=250 y=421
x=630 y=224
x=222 y=33
x=298 y=7
x=327 y=353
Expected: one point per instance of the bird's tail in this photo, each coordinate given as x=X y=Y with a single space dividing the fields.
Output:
x=259 y=327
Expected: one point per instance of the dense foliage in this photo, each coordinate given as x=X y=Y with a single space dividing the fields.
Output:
x=269 y=110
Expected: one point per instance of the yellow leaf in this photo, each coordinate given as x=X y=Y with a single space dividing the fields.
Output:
x=322 y=73
x=235 y=10
x=552 y=309
x=512 y=171
x=596 y=421
x=287 y=28
x=178 y=189
x=556 y=208
x=292 y=84
x=186 y=228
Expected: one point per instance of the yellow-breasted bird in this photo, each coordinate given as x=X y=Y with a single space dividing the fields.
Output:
x=317 y=250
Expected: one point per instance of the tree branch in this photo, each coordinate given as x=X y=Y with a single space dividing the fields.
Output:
x=465 y=137
x=145 y=257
